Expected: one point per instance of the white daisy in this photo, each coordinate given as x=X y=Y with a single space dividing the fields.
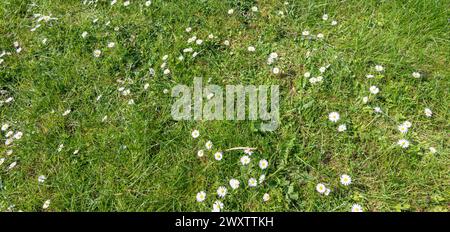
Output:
x=346 y=179
x=377 y=109
x=307 y=74
x=252 y=182
x=226 y=43
x=195 y=134
x=365 y=99
x=217 y=206
x=327 y=192
x=266 y=197
x=248 y=151
x=403 y=128
x=234 y=183
x=218 y=156
x=342 y=128
x=97 y=53
x=200 y=153
x=416 y=74
x=201 y=196
x=403 y=143
x=166 y=71
x=148 y=3
x=5 y=127
x=188 y=29
x=373 y=89
x=41 y=178
x=432 y=150
x=84 y=34
x=111 y=44
x=305 y=33
x=199 y=41
x=245 y=160
x=333 y=116
x=356 y=208
x=46 y=204
x=251 y=49
x=428 y=112
x=334 y=23
x=2 y=160
x=254 y=9
x=275 y=70
x=261 y=179
x=322 y=69
x=209 y=145
x=18 y=135
x=321 y=188
x=408 y=124
x=126 y=3
x=263 y=164
x=379 y=68
x=369 y=76
x=9 y=134
x=325 y=17
x=222 y=191
x=8 y=141
x=230 y=11
x=320 y=36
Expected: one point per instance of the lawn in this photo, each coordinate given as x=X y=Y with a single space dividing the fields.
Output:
x=86 y=100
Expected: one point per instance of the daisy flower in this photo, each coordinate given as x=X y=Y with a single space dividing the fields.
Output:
x=325 y=17
x=12 y=165
x=200 y=153
x=320 y=36
x=342 y=128
x=188 y=29
x=245 y=160
x=18 y=135
x=195 y=134
x=327 y=192
x=403 y=143
x=322 y=69
x=8 y=141
x=208 y=145
x=97 y=53
x=126 y=3
x=369 y=76
x=428 y=112
x=217 y=206
x=333 y=116
x=2 y=160
x=307 y=74
x=111 y=44
x=321 y=188
x=346 y=179
x=84 y=34
x=248 y=151
x=379 y=68
x=251 y=49
x=199 y=41
x=262 y=178
x=377 y=109
x=166 y=71
x=356 y=208
x=416 y=74
x=374 y=90
x=408 y=124
x=252 y=182
x=254 y=9
x=226 y=43
x=275 y=70
x=41 y=178
x=218 y=156
x=5 y=127
x=263 y=164
x=201 y=196
x=403 y=128
x=222 y=191
x=234 y=183
x=334 y=23
x=46 y=204
x=305 y=33
x=266 y=197
x=365 y=99
x=230 y=11
x=432 y=150
x=148 y=3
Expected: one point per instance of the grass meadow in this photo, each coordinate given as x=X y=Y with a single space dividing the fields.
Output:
x=85 y=105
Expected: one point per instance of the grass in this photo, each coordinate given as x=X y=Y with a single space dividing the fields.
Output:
x=139 y=159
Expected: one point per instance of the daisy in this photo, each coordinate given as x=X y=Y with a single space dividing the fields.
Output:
x=210 y=36
x=266 y=197
x=327 y=192
x=218 y=156
x=222 y=191
x=275 y=70
x=307 y=74
x=200 y=153
x=245 y=160
x=230 y=11
x=131 y=102
x=9 y=152
x=369 y=76
x=148 y=3
x=377 y=110
x=416 y=74
x=166 y=71
x=403 y=128
x=188 y=29
x=9 y=134
x=254 y=9
x=374 y=90
x=41 y=178
x=342 y=128
x=334 y=23
x=252 y=182
x=46 y=204
x=321 y=188
x=408 y=124
x=113 y=2
x=263 y=164
x=428 y=112
x=146 y=85
x=60 y=147
x=201 y=196
x=325 y=17
x=5 y=127
x=226 y=43
x=2 y=160
x=12 y=165
x=356 y=208
x=346 y=179
x=262 y=178
x=313 y=80
x=248 y=151
x=97 y=53
x=320 y=36
x=199 y=42
x=333 y=116
x=251 y=49
x=84 y=34
x=126 y=3
x=208 y=145
x=234 y=183
x=8 y=141
x=322 y=69
x=111 y=44
x=195 y=134
x=18 y=135
x=403 y=143
x=217 y=206
x=432 y=150
x=305 y=33
x=379 y=68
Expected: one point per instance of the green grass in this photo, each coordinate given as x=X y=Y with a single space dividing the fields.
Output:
x=139 y=159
